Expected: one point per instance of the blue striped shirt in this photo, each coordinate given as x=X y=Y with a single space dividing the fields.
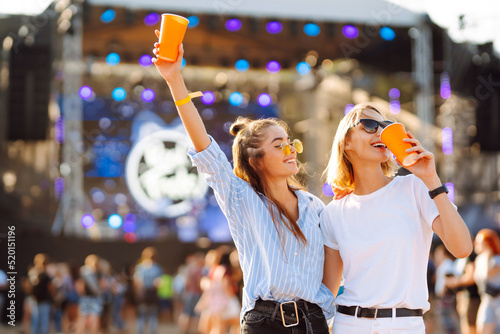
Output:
x=268 y=273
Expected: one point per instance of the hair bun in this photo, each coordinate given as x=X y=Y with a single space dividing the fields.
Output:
x=241 y=123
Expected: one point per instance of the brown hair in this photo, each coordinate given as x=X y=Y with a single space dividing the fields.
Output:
x=491 y=238
x=339 y=172
x=247 y=152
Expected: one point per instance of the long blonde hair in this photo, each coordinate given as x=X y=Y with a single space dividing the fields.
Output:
x=339 y=172
x=248 y=152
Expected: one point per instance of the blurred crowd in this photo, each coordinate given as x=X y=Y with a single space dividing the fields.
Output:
x=204 y=294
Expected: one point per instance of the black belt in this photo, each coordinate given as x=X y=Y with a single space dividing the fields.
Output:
x=287 y=312
x=373 y=313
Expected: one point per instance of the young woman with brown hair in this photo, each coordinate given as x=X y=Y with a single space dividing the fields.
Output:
x=273 y=222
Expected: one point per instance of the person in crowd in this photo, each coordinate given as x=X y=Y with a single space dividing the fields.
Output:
x=70 y=303
x=43 y=291
x=118 y=290
x=192 y=275
x=165 y=294
x=487 y=277
x=107 y=281
x=89 y=289
x=446 y=310
x=379 y=236
x=146 y=280
x=274 y=222
x=212 y=261
x=468 y=299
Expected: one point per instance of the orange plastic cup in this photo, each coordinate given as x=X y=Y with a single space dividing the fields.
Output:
x=173 y=28
x=392 y=136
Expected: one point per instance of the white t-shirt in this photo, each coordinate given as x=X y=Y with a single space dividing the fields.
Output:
x=384 y=239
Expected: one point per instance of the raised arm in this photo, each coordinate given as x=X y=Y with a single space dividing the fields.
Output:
x=192 y=121
x=449 y=226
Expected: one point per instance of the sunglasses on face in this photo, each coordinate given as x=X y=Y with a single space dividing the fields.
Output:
x=371 y=125
x=285 y=146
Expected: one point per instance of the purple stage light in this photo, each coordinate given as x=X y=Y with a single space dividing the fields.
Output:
x=59 y=130
x=348 y=108
x=394 y=93
x=129 y=226
x=145 y=61
x=264 y=100
x=233 y=24
x=350 y=31
x=445 y=89
x=451 y=191
x=85 y=92
x=327 y=190
x=274 y=27
x=447 y=138
x=395 y=107
x=59 y=187
x=87 y=221
x=208 y=98
x=152 y=19
x=148 y=95
x=273 y=66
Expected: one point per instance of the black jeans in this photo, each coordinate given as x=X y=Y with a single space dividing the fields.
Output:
x=266 y=318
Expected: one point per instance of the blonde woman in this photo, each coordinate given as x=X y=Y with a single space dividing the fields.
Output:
x=379 y=236
x=273 y=222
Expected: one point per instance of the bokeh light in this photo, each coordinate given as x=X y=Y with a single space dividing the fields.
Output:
x=152 y=19
x=119 y=94
x=264 y=100
x=148 y=95
x=451 y=191
x=130 y=237
x=387 y=33
x=274 y=27
x=233 y=24
x=113 y=59
x=350 y=31
x=59 y=131
x=312 y=29
x=108 y=16
x=327 y=190
x=59 y=187
x=447 y=139
x=273 y=66
x=303 y=68
x=445 y=89
x=395 y=107
x=183 y=63
x=208 y=98
x=242 y=65
x=394 y=93
x=115 y=221
x=87 y=221
x=129 y=226
x=193 y=21
x=85 y=92
x=348 y=108
x=145 y=61
x=236 y=99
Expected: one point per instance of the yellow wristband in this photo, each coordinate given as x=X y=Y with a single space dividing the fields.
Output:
x=188 y=98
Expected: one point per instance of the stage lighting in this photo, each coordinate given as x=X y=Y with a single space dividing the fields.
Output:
x=119 y=94
x=113 y=59
x=129 y=226
x=85 y=92
x=303 y=68
x=387 y=33
x=447 y=139
x=273 y=66
x=274 y=27
x=264 y=100
x=130 y=237
x=87 y=221
x=183 y=63
x=350 y=31
x=59 y=187
x=148 y=95
x=236 y=99
x=395 y=107
x=208 y=98
x=348 y=108
x=145 y=61
x=108 y=16
x=451 y=191
x=445 y=89
x=327 y=190
x=242 y=65
x=115 y=221
x=193 y=21
x=394 y=93
x=312 y=29
x=152 y=19
x=233 y=24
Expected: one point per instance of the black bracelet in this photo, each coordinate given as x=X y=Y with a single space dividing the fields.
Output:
x=438 y=190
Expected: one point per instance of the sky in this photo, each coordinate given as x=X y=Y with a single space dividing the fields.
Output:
x=480 y=23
